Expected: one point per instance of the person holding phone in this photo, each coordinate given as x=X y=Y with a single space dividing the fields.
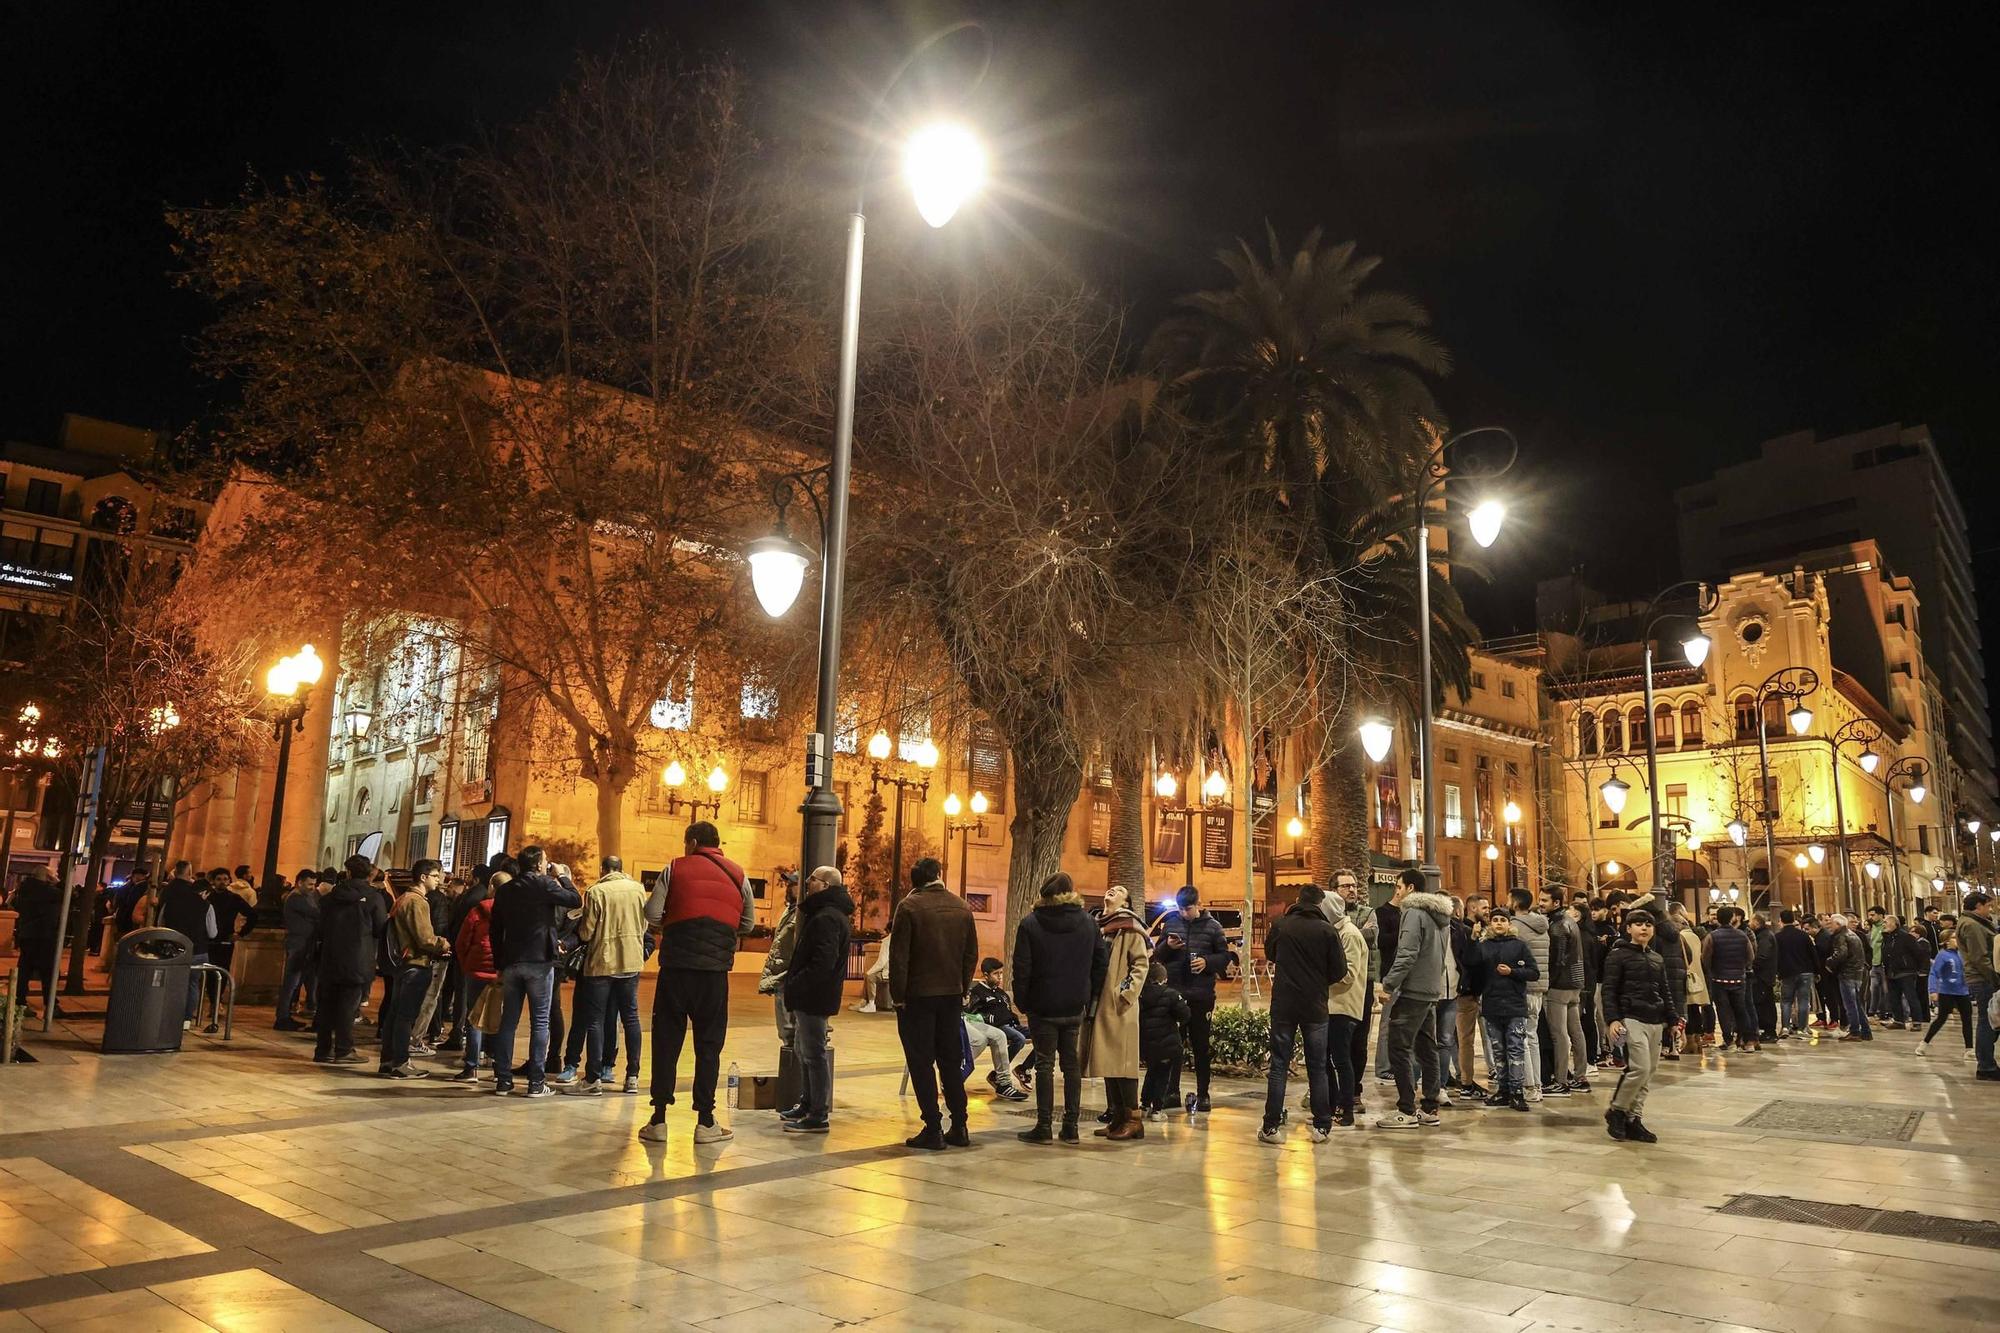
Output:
x=1195 y=953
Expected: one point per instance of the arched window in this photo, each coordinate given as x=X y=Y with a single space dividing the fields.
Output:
x=1774 y=715
x=1614 y=732
x=1636 y=728
x=1746 y=717
x=1692 y=725
x=1663 y=726
x=362 y=802
x=1586 y=733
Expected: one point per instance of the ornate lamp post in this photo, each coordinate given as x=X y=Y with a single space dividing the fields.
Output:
x=289 y=686
x=675 y=777
x=1863 y=733
x=1911 y=773
x=925 y=759
x=1793 y=683
x=964 y=828
x=1695 y=648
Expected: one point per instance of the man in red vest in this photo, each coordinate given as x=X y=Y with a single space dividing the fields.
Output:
x=702 y=904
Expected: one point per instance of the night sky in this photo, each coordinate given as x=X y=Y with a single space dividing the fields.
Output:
x=1651 y=235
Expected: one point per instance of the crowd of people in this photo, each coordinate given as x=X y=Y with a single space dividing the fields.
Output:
x=1541 y=989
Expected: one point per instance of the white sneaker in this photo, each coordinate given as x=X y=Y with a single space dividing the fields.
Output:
x=1923 y=1048
x=1534 y=1096
x=1428 y=1119
x=868 y=1008
x=1396 y=1120
x=1971 y=1054
x=712 y=1133
x=1270 y=1136
x=1317 y=1135
x=1444 y=1099
x=652 y=1133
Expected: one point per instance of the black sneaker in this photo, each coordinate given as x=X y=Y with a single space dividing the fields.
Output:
x=1201 y=1104
x=1636 y=1131
x=793 y=1112
x=807 y=1125
x=1579 y=1085
x=1036 y=1134
x=928 y=1139
x=1068 y=1132
x=1555 y=1090
x=1496 y=1099
x=956 y=1137
x=1519 y=1104
x=1472 y=1090
x=1615 y=1122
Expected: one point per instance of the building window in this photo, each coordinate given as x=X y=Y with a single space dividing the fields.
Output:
x=1449 y=755
x=752 y=793
x=1746 y=717
x=420 y=842
x=1506 y=689
x=362 y=802
x=1663 y=725
x=1677 y=798
x=759 y=702
x=1636 y=728
x=986 y=766
x=1691 y=725
x=1614 y=732
x=1586 y=734
x=1454 y=812
x=674 y=710
x=1479 y=680
x=1774 y=716
x=44 y=497
x=1924 y=839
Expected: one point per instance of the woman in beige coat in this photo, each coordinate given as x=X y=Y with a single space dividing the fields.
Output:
x=1111 y=1050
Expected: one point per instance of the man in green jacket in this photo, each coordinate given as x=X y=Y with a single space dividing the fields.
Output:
x=613 y=932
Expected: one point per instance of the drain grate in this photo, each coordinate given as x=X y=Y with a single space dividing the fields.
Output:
x=1839 y=1119
x=1875 y=1221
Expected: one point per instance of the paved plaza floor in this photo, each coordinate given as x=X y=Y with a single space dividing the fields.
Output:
x=239 y=1187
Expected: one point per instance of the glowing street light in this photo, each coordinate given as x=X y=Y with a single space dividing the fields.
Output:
x=1611 y=867
x=879 y=745
x=675 y=776
x=777 y=569
x=718 y=781
x=1511 y=813
x=1295 y=827
x=1870 y=761
x=1739 y=832
x=1484 y=521
x=1818 y=854
x=1801 y=719
x=1165 y=786
x=1800 y=861
x=1215 y=786
x=1376 y=736
x=1917 y=792
x=1492 y=852
x=944 y=165
x=1614 y=790
x=1874 y=869
x=1695 y=648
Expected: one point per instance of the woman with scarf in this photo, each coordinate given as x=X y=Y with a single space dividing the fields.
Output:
x=1111 y=1042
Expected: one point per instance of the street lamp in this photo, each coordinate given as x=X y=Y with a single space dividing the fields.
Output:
x=1614 y=790
x=1859 y=731
x=1215 y=787
x=1739 y=832
x=1510 y=815
x=943 y=166
x=1165 y=787
x=675 y=777
x=1874 y=869
x=1484 y=520
x=1911 y=772
x=1818 y=854
x=925 y=758
x=1493 y=864
x=1376 y=736
x=289 y=683
x=964 y=828
x=1793 y=683
x=1695 y=647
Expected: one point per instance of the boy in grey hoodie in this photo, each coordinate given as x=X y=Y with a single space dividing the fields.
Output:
x=1411 y=987
x=1532 y=929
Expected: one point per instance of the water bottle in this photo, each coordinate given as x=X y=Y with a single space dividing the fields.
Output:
x=735 y=1085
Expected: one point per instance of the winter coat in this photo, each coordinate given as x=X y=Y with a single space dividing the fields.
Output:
x=1307 y=959
x=1422 y=942
x=1060 y=959
x=783 y=940
x=523 y=922
x=1565 y=953
x=1500 y=996
x=1111 y=1042
x=1388 y=927
x=613 y=926
x=934 y=946
x=1595 y=943
x=1726 y=956
x=1849 y=960
x=1203 y=936
x=1163 y=1012
x=473 y=946
x=1904 y=955
x=818 y=969
x=1797 y=955
x=1766 y=965
x=1636 y=986
x=39 y=901
x=184 y=907
x=300 y=911
x=412 y=941
x=350 y=921
x=1464 y=951
x=702 y=904
x=1975 y=946
x=989 y=1004
x=1948 y=974
x=1532 y=929
x=1348 y=997
x=1697 y=977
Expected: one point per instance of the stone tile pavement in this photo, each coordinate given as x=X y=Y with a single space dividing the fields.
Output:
x=241 y=1187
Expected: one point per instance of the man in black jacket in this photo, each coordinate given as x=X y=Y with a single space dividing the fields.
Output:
x=1306 y=958
x=39 y=901
x=1060 y=958
x=1195 y=953
x=349 y=921
x=1639 y=1006
x=524 y=953
x=184 y=906
x=812 y=986
x=1797 y=967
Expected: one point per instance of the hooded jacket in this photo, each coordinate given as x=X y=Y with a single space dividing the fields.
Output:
x=1348 y=997
x=1423 y=930
x=818 y=968
x=1059 y=959
x=1975 y=946
x=1163 y=1012
x=1532 y=929
x=1636 y=987
x=350 y=919
x=1948 y=974
x=1307 y=958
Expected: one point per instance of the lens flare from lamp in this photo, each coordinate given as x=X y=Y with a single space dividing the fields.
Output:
x=944 y=165
x=878 y=745
x=1801 y=719
x=675 y=775
x=1165 y=786
x=1376 y=736
x=1614 y=790
x=777 y=571
x=1870 y=761
x=1695 y=648
x=1484 y=521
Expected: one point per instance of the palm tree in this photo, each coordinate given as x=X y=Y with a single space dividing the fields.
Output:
x=1319 y=388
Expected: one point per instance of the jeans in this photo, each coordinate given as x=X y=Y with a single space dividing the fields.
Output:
x=1341 y=1087
x=530 y=984
x=1642 y=1058
x=1536 y=1073
x=783 y=1018
x=1850 y=1001
x=604 y=1004
x=809 y=1034
x=996 y=1042
x=1282 y=1045
x=1357 y=1049
x=1877 y=998
x=475 y=1039
x=432 y=987
x=1732 y=1009
x=1447 y=1034
x=1160 y=1076
x=687 y=998
x=1056 y=1041
x=931 y=1028
x=1946 y=1005
x=301 y=964
x=1983 y=1043
x=1796 y=1008
x=333 y=1019
x=1413 y=1026
x=194 y=985
x=1909 y=1001
x=411 y=984
x=1565 y=1035
x=1507 y=1054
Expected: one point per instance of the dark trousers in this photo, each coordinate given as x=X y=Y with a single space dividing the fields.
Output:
x=1342 y=1089
x=1282 y=1045
x=1160 y=1076
x=475 y=1039
x=809 y=1035
x=604 y=1004
x=1357 y=1043
x=932 y=1033
x=1413 y=1029
x=38 y=960
x=411 y=983
x=1586 y=1010
x=1201 y=1012
x=1946 y=1006
x=1732 y=1011
x=687 y=998
x=1056 y=1041
x=1764 y=999
x=301 y=965
x=1908 y=1002
x=1545 y=1047
x=1121 y=1099
x=333 y=1021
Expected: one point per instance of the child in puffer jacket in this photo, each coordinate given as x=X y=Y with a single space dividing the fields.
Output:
x=1163 y=1016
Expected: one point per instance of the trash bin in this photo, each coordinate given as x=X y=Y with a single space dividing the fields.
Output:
x=149 y=991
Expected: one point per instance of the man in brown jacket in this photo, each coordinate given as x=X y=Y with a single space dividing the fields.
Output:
x=933 y=949
x=413 y=946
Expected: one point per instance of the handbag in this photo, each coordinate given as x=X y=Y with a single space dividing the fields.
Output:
x=486 y=1009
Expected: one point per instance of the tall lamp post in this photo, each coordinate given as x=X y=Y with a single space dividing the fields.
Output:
x=1483 y=520
x=1695 y=648
x=925 y=759
x=944 y=166
x=1510 y=815
x=1793 y=683
x=1864 y=733
x=289 y=685
x=675 y=777
x=964 y=828
x=1911 y=773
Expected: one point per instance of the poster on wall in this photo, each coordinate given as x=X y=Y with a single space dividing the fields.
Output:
x=1388 y=805
x=1215 y=839
x=1169 y=837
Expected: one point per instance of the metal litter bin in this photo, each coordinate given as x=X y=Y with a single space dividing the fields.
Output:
x=149 y=993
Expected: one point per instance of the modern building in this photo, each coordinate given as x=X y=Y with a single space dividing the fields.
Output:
x=1803 y=496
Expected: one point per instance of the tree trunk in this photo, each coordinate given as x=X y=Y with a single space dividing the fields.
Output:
x=613 y=771
x=1127 y=864
x=1048 y=774
x=1347 y=774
